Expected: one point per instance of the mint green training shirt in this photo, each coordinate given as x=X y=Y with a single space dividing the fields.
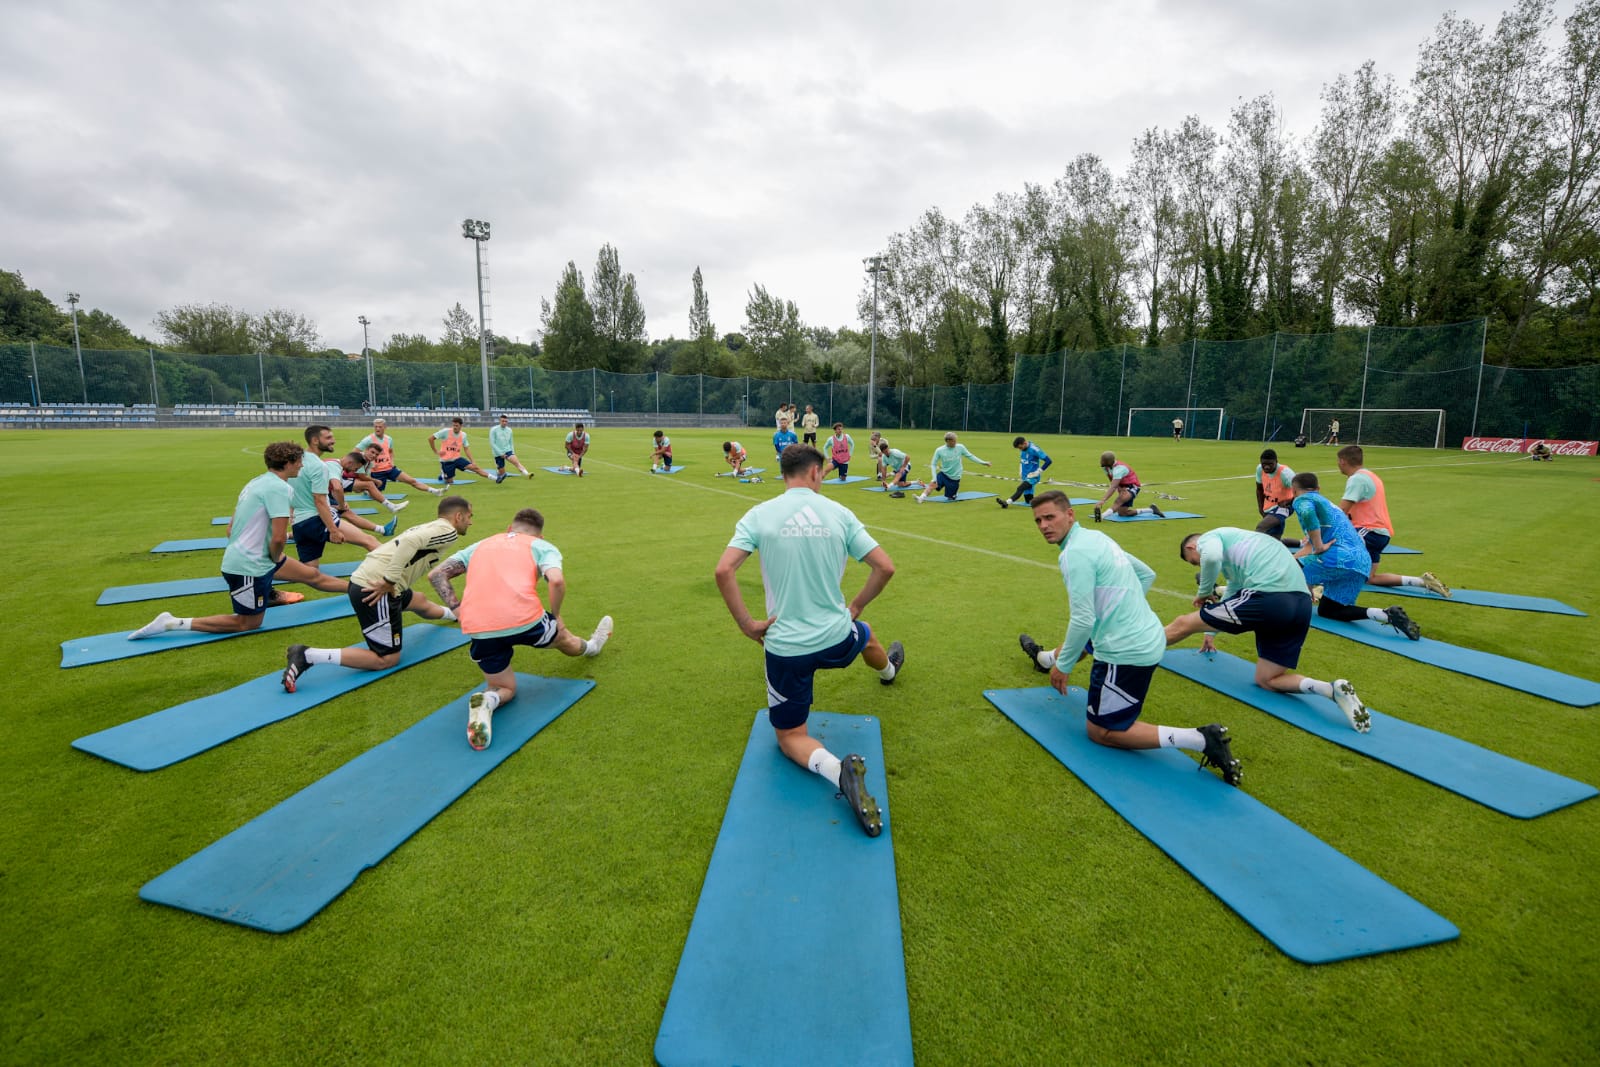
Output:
x=804 y=540
x=947 y=460
x=1106 y=589
x=263 y=498
x=500 y=440
x=310 y=482
x=1246 y=559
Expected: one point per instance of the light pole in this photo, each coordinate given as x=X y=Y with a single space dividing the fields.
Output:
x=73 y=298
x=366 y=353
x=875 y=267
x=478 y=232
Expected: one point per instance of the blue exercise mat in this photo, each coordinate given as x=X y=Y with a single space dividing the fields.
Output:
x=172 y=735
x=909 y=487
x=747 y=470
x=1394 y=550
x=1501 y=670
x=798 y=923
x=674 y=469
x=1493 y=780
x=556 y=470
x=223 y=520
x=1481 y=597
x=130 y=594
x=281 y=868
x=350 y=497
x=940 y=498
x=440 y=482
x=1154 y=518
x=1313 y=902
x=103 y=648
x=851 y=479
x=193 y=544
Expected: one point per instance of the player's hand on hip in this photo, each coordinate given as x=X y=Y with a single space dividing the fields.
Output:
x=756 y=629
x=377 y=593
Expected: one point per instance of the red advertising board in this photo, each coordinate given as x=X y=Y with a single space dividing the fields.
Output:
x=1526 y=444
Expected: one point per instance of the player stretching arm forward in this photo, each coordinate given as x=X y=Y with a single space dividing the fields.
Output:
x=384 y=470
x=450 y=445
x=1124 y=487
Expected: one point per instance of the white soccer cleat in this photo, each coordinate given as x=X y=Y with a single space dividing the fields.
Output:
x=1344 y=695
x=480 y=718
x=602 y=634
x=1432 y=584
x=1316 y=594
x=435 y=492
x=158 y=625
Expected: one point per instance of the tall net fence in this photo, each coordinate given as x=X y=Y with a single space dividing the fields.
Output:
x=1264 y=384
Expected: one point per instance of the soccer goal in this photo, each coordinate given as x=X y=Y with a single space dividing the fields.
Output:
x=1157 y=422
x=1404 y=427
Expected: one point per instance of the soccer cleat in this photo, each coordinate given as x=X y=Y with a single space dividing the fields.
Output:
x=387 y=529
x=1344 y=695
x=479 y=721
x=433 y=490
x=297 y=666
x=500 y=477
x=921 y=499
x=853 y=787
x=1403 y=622
x=1031 y=647
x=158 y=625
x=282 y=598
x=1218 y=753
x=1097 y=513
x=1001 y=501
x=1155 y=509
x=897 y=495
x=1316 y=594
x=397 y=506
x=530 y=474
x=897 y=658
x=1432 y=584
x=602 y=634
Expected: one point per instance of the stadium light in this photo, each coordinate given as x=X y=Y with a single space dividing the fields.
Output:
x=73 y=298
x=366 y=353
x=477 y=232
x=875 y=267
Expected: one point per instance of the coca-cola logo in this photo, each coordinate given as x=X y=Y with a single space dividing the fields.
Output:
x=1527 y=444
x=1495 y=444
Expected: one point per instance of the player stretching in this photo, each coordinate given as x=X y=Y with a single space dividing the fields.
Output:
x=661 y=454
x=1031 y=465
x=450 y=445
x=384 y=470
x=577 y=445
x=1111 y=620
x=355 y=476
x=839 y=448
x=500 y=609
x=315 y=524
x=1341 y=564
x=1265 y=594
x=1274 y=494
x=734 y=453
x=947 y=470
x=1125 y=487
x=1368 y=507
x=895 y=468
x=504 y=449
x=807 y=626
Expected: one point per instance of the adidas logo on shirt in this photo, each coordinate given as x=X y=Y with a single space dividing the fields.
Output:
x=804 y=523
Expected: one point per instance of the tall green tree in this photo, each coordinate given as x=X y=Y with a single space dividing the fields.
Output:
x=570 y=342
x=776 y=343
x=28 y=315
x=619 y=320
x=209 y=329
x=281 y=332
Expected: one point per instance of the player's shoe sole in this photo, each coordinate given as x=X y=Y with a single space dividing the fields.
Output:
x=1344 y=695
x=1403 y=622
x=1031 y=647
x=853 y=787
x=297 y=666
x=1218 y=753
x=1432 y=584
x=397 y=506
x=602 y=634
x=479 y=722
x=897 y=659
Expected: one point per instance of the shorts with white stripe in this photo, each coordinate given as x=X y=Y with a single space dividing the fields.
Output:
x=1117 y=692
x=380 y=622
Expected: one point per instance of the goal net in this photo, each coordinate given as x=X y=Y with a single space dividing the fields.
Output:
x=1157 y=422
x=1404 y=427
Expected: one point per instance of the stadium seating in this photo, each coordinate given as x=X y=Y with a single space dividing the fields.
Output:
x=77 y=415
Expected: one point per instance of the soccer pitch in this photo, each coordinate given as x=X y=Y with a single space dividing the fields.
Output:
x=540 y=918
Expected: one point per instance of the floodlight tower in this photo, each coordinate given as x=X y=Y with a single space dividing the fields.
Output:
x=366 y=354
x=478 y=232
x=72 y=299
x=875 y=266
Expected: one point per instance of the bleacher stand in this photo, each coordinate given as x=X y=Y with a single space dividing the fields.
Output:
x=474 y=417
x=78 y=415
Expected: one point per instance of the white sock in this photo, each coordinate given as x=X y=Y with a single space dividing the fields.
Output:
x=390 y=505
x=1321 y=689
x=449 y=616
x=491 y=700
x=322 y=655
x=1046 y=658
x=1182 y=737
x=1406 y=579
x=1377 y=615
x=1145 y=511
x=181 y=624
x=826 y=764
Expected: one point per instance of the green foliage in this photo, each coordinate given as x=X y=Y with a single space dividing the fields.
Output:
x=619 y=321
x=776 y=346
x=570 y=340
x=207 y=329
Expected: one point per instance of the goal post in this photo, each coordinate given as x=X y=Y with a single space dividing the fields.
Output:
x=1401 y=427
x=1203 y=423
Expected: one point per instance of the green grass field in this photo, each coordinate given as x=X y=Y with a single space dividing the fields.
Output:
x=540 y=918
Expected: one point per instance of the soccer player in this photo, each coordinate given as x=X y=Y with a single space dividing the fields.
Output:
x=947 y=469
x=1031 y=465
x=1125 y=487
x=315 y=524
x=500 y=609
x=355 y=474
x=1539 y=453
x=1265 y=594
x=454 y=454
x=1177 y=429
x=381 y=589
x=338 y=483
x=1274 y=497
x=734 y=453
x=384 y=470
x=661 y=454
x=1342 y=564
x=809 y=423
x=1333 y=432
x=1112 y=621
x=256 y=536
x=577 y=445
x=1365 y=502
x=783 y=438
x=839 y=448
x=895 y=468
x=504 y=449
x=805 y=540
x=876 y=453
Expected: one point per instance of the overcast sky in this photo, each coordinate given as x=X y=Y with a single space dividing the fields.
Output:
x=321 y=156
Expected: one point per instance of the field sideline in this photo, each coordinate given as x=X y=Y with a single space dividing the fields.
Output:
x=540 y=918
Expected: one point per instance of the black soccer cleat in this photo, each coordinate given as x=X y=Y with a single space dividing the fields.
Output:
x=897 y=495
x=1031 y=647
x=1403 y=622
x=1218 y=753
x=297 y=666
x=897 y=658
x=1001 y=501
x=1155 y=509
x=853 y=787
x=1097 y=513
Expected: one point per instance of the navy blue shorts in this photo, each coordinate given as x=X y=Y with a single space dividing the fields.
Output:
x=947 y=485
x=1116 y=693
x=385 y=477
x=310 y=538
x=1133 y=494
x=789 y=677
x=250 y=593
x=1376 y=542
x=500 y=460
x=380 y=622
x=493 y=654
x=1280 y=622
x=448 y=467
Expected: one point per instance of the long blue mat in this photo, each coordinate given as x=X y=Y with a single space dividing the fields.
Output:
x=940 y=498
x=223 y=520
x=130 y=594
x=1154 y=518
x=1493 y=780
x=1480 y=597
x=440 y=482
x=281 y=868
x=847 y=480
x=1501 y=670
x=351 y=497
x=103 y=648
x=174 y=734
x=1395 y=550
x=674 y=469
x=909 y=487
x=192 y=544
x=794 y=955
x=1313 y=902
x=554 y=470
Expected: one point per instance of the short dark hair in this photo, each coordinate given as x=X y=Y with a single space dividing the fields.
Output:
x=315 y=430
x=797 y=459
x=660 y=434
x=1269 y=453
x=577 y=426
x=1019 y=442
x=529 y=517
x=1052 y=496
x=727 y=446
x=838 y=426
x=1353 y=454
x=279 y=454
x=456 y=421
x=1306 y=480
x=451 y=504
x=1188 y=539
x=357 y=456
